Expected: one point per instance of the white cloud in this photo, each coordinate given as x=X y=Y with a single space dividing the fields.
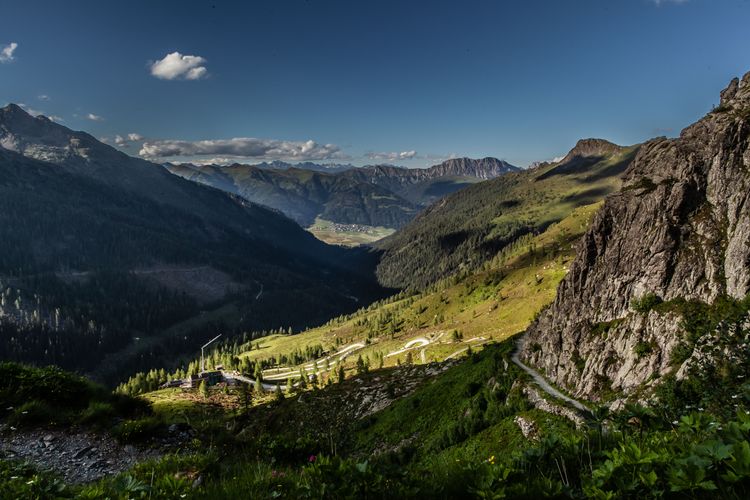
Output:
x=176 y=66
x=6 y=53
x=243 y=148
x=392 y=156
x=94 y=118
x=43 y=97
x=127 y=140
x=662 y=2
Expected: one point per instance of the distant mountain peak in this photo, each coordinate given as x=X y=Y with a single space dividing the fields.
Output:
x=13 y=108
x=483 y=168
x=15 y=115
x=586 y=148
x=43 y=139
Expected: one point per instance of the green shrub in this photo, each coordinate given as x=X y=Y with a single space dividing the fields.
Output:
x=36 y=413
x=680 y=353
x=129 y=406
x=20 y=480
x=138 y=430
x=97 y=413
x=604 y=327
x=645 y=303
x=642 y=348
x=61 y=389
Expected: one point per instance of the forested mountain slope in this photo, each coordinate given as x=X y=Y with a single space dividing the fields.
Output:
x=467 y=228
x=305 y=195
x=99 y=250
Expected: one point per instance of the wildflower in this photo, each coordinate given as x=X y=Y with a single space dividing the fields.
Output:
x=491 y=460
x=312 y=458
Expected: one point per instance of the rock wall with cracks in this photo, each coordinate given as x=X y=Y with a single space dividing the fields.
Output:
x=680 y=227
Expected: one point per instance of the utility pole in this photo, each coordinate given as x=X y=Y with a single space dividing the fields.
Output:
x=203 y=366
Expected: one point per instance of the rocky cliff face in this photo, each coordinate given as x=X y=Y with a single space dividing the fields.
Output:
x=679 y=228
x=402 y=180
x=483 y=168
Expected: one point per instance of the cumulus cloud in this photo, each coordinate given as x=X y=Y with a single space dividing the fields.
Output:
x=392 y=156
x=94 y=118
x=6 y=53
x=243 y=147
x=176 y=66
x=127 y=140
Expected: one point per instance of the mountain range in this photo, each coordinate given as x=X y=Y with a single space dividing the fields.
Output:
x=381 y=195
x=464 y=230
x=305 y=195
x=73 y=209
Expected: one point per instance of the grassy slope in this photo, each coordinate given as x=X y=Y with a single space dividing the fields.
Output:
x=490 y=305
x=425 y=419
x=469 y=227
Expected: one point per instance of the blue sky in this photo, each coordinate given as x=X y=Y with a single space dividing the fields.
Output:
x=363 y=82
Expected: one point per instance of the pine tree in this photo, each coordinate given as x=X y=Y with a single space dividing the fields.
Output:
x=245 y=396
x=203 y=389
x=258 y=378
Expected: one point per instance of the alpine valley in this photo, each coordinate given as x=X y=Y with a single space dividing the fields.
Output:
x=288 y=319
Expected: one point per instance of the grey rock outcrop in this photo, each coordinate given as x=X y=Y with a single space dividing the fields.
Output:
x=679 y=228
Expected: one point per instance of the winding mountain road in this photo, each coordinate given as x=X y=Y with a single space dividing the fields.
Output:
x=542 y=382
x=420 y=342
x=284 y=373
x=251 y=381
